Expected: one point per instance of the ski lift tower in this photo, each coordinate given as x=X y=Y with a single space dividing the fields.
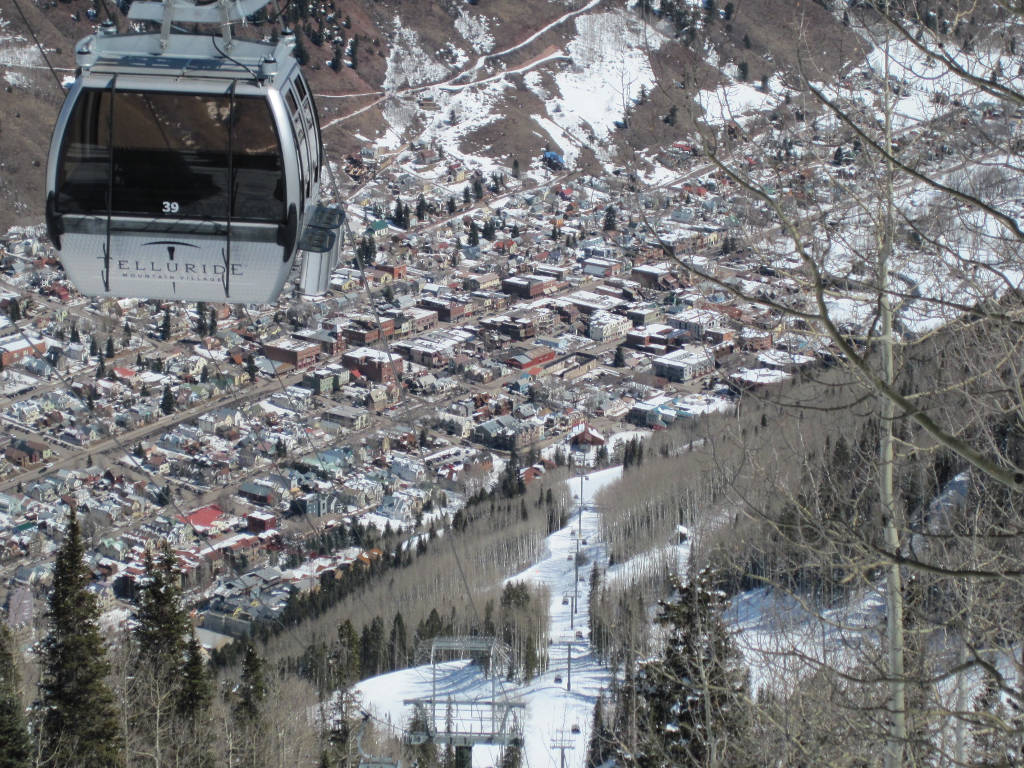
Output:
x=466 y=722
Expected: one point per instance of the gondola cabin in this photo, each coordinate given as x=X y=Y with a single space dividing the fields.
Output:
x=183 y=166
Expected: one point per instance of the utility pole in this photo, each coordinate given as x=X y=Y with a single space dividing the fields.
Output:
x=576 y=560
x=562 y=741
x=568 y=671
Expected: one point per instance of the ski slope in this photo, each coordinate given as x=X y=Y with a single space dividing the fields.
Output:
x=551 y=707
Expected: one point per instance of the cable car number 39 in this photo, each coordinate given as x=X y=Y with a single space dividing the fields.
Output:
x=170 y=206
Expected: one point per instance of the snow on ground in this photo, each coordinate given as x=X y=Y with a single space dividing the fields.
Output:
x=475 y=30
x=737 y=101
x=611 y=62
x=408 y=63
x=17 y=51
x=550 y=706
x=783 y=639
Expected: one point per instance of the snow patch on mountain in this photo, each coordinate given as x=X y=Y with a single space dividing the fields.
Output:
x=610 y=64
x=408 y=62
x=476 y=31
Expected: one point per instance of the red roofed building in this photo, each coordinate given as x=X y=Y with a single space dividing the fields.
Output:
x=125 y=374
x=204 y=517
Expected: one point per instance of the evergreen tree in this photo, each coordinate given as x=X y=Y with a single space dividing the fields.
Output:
x=692 y=707
x=348 y=660
x=421 y=208
x=101 y=369
x=600 y=747
x=466 y=195
x=512 y=756
x=213 y=322
x=398 y=643
x=15 y=746
x=620 y=357
x=195 y=695
x=14 y=310
x=451 y=205
x=374 y=652
x=110 y=347
x=250 y=367
x=201 y=325
x=515 y=168
x=75 y=336
x=94 y=349
x=79 y=726
x=478 y=188
x=167 y=400
x=162 y=626
x=609 y=219
x=160 y=637
x=165 y=328
x=252 y=688
x=474 y=234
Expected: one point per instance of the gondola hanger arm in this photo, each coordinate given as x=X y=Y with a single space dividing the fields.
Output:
x=222 y=13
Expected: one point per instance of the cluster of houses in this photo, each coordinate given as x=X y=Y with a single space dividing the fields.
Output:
x=572 y=316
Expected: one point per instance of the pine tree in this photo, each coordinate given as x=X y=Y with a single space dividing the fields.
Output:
x=609 y=219
x=693 y=707
x=252 y=689
x=515 y=168
x=512 y=756
x=250 y=367
x=474 y=234
x=201 y=325
x=348 y=662
x=162 y=626
x=160 y=640
x=14 y=310
x=165 y=328
x=167 y=400
x=466 y=195
x=94 y=350
x=110 y=347
x=599 y=748
x=213 y=322
x=75 y=336
x=398 y=643
x=421 y=208
x=620 y=357
x=79 y=726
x=15 y=746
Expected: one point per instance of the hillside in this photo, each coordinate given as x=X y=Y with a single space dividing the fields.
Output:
x=497 y=80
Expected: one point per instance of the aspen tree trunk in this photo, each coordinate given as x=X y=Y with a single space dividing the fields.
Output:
x=897 y=737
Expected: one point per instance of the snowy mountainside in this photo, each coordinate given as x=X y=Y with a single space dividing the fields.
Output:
x=488 y=82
